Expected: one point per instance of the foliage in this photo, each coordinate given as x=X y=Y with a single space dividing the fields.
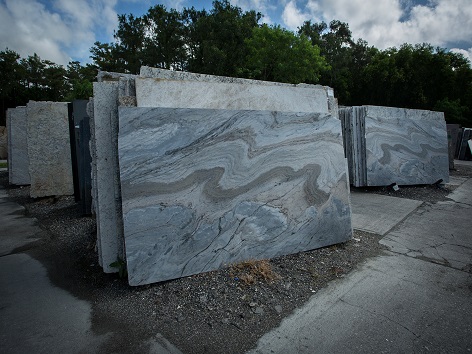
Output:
x=276 y=54
x=120 y=264
x=230 y=42
x=31 y=78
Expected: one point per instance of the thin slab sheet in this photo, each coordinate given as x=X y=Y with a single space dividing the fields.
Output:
x=205 y=188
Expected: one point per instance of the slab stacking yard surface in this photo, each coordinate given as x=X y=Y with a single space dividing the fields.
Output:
x=204 y=188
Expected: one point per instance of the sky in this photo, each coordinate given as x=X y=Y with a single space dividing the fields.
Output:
x=65 y=30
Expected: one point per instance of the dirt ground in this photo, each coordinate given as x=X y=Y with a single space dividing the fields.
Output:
x=223 y=311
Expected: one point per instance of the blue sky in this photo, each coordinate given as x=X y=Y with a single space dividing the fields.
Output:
x=64 y=30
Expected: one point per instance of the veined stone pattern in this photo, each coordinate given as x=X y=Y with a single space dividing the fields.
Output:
x=49 y=151
x=152 y=92
x=405 y=146
x=18 y=161
x=204 y=188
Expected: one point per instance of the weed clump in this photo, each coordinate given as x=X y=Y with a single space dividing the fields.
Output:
x=251 y=271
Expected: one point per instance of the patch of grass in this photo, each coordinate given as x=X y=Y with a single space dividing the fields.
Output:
x=3 y=164
x=251 y=271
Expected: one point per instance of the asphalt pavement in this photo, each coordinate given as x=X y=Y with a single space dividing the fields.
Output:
x=415 y=297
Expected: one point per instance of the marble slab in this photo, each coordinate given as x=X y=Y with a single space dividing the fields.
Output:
x=107 y=193
x=405 y=146
x=205 y=188
x=18 y=160
x=157 y=73
x=49 y=151
x=222 y=95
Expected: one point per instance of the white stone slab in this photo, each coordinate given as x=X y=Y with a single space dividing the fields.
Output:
x=156 y=73
x=205 y=188
x=222 y=95
x=49 y=153
x=18 y=161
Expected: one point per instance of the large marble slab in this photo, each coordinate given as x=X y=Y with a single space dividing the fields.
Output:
x=204 y=188
x=18 y=160
x=386 y=145
x=49 y=151
x=222 y=95
x=405 y=146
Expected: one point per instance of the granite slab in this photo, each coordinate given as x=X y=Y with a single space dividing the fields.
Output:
x=405 y=146
x=172 y=75
x=222 y=95
x=18 y=160
x=205 y=188
x=49 y=150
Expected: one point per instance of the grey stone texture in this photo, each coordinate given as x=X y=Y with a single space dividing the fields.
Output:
x=203 y=188
x=18 y=160
x=49 y=149
x=386 y=145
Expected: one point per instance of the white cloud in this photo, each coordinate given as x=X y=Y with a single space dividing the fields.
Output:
x=293 y=17
x=63 y=30
x=262 y=6
x=386 y=23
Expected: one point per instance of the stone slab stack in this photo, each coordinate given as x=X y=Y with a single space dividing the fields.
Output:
x=386 y=145
x=49 y=150
x=18 y=159
x=245 y=137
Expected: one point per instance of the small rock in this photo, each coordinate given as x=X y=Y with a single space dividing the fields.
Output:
x=180 y=318
x=252 y=304
x=258 y=310
x=278 y=309
x=287 y=285
x=204 y=298
x=225 y=321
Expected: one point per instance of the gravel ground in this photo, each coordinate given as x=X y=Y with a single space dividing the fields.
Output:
x=223 y=311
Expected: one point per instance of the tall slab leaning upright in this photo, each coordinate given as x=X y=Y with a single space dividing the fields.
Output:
x=49 y=151
x=108 y=198
x=18 y=161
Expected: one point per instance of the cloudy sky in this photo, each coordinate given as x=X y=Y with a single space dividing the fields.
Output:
x=64 y=30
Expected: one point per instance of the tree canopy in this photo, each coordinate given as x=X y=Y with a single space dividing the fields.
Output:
x=228 y=41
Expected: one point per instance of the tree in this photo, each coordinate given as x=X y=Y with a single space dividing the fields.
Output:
x=80 y=80
x=164 y=44
x=276 y=54
x=336 y=45
x=221 y=35
x=12 y=89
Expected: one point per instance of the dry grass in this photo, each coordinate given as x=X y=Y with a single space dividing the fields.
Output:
x=251 y=271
